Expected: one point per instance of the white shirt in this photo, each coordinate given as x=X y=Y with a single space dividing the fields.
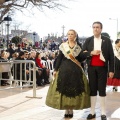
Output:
x=97 y=46
x=97 y=43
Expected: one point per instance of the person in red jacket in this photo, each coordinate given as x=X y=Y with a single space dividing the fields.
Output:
x=45 y=71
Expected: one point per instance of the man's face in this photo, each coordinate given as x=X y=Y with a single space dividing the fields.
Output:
x=26 y=55
x=96 y=29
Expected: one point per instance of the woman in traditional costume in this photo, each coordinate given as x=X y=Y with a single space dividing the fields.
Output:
x=115 y=81
x=69 y=89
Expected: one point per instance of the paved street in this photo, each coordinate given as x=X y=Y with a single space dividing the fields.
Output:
x=14 y=105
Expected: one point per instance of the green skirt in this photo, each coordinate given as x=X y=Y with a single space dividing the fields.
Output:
x=56 y=100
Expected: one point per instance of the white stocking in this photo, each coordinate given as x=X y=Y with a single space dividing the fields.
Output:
x=66 y=111
x=115 y=87
x=102 y=104
x=71 y=111
x=93 y=103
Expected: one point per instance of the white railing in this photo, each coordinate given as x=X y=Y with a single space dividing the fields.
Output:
x=7 y=66
x=49 y=65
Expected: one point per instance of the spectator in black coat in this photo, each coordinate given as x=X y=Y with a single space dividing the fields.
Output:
x=11 y=51
x=19 y=49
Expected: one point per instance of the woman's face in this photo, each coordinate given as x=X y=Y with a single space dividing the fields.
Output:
x=39 y=56
x=71 y=35
x=7 y=54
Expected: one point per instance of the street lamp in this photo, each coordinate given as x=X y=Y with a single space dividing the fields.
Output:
x=117 y=24
x=7 y=19
x=34 y=34
x=63 y=29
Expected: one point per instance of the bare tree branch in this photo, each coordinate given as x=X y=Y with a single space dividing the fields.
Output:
x=12 y=5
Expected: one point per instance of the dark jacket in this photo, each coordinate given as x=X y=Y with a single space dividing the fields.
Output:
x=60 y=58
x=18 y=50
x=107 y=51
x=11 y=51
x=21 y=68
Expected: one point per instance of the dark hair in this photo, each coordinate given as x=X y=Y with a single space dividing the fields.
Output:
x=2 y=51
x=26 y=51
x=77 y=40
x=56 y=54
x=117 y=41
x=11 y=44
x=21 y=53
x=97 y=22
x=37 y=54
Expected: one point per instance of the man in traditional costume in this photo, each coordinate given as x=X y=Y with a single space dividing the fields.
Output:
x=100 y=58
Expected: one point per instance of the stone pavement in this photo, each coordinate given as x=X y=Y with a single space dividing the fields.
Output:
x=14 y=105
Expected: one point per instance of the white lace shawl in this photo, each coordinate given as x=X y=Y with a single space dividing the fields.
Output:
x=116 y=52
x=64 y=47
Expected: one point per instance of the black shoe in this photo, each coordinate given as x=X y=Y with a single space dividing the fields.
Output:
x=66 y=115
x=47 y=82
x=41 y=84
x=70 y=115
x=90 y=116
x=3 y=84
x=103 y=117
x=115 y=89
x=7 y=83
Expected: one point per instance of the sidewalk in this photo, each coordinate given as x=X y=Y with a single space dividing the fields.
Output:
x=14 y=105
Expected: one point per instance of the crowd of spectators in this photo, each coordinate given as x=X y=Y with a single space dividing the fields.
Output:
x=44 y=59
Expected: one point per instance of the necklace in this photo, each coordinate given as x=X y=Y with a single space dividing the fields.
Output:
x=71 y=47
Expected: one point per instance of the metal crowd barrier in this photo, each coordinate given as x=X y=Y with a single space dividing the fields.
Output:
x=12 y=67
x=49 y=65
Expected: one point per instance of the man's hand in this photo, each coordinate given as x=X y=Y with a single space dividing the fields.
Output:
x=111 y=74
x=95 y=52
x=85 y=51
x=27 y=71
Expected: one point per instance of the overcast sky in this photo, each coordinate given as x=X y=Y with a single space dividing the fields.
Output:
x=79 y=16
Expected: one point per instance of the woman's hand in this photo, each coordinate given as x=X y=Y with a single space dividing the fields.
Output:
x=44 y=67
x=54 y=74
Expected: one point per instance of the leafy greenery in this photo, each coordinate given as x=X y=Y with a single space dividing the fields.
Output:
x=16 y=40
